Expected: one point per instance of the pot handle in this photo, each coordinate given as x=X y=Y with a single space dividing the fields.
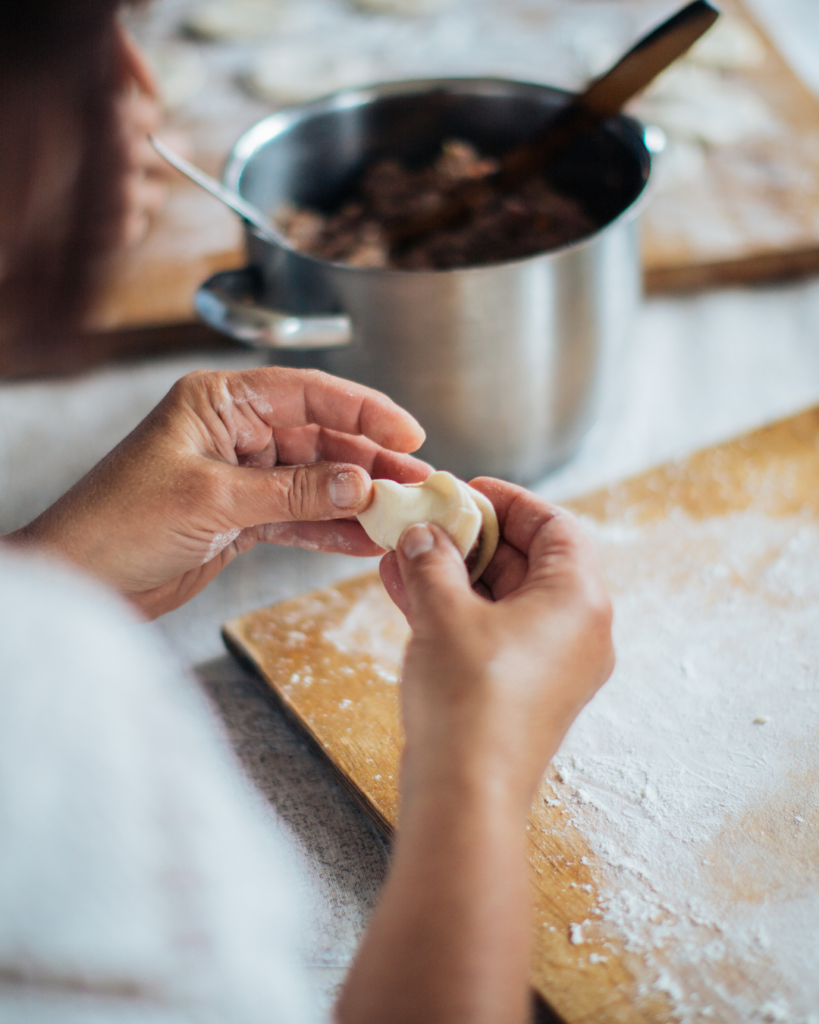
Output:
x=228 y=302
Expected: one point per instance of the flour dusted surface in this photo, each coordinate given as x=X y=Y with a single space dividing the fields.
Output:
x=675 y=843
x=375 y=628
x=693 y=775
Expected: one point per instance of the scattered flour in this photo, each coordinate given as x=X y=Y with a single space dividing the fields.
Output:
x=375 y=629
x=704 y=813
x=219 y=542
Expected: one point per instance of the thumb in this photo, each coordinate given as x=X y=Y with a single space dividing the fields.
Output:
x=433 y=575
x=311 y=493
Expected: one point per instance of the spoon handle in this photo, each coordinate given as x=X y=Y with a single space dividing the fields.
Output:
x=247 y=210
x=607 y=94
x=603 y=98
x=653 y=54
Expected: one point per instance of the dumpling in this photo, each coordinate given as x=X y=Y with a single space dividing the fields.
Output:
x=466 y=515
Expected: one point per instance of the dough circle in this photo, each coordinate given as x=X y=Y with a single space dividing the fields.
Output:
x=235 y=20
x=296 y=73
x=466 y=515
x=405 y=8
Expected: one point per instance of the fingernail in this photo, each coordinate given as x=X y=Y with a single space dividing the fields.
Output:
x=417 y=540
x=346 y=490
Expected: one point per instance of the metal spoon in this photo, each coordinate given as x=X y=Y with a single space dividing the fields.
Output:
x=246 y=210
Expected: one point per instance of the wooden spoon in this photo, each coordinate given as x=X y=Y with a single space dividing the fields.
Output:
x=603 y=98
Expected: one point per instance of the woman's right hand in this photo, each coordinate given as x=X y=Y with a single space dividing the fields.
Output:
x=492 y=681
x=495 y=676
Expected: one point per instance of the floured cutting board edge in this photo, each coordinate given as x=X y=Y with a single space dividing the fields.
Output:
x=243 y=648
x=757 y=268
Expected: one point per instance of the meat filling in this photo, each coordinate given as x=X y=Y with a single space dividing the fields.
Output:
x=502 y=225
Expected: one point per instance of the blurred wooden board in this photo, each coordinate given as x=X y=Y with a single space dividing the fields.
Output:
x=753 y=212
x=331 y=659
x=154 y=284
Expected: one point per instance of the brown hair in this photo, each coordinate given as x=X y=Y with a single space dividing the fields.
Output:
x=61 y=162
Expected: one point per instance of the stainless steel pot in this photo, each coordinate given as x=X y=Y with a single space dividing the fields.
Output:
x=501 y=363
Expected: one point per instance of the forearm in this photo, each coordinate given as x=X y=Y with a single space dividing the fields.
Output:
x=449 y=941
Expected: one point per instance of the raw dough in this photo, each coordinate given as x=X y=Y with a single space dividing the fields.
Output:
x=180 y=71
x=466 y=515
x=407 y=8
x=229 y=20
x=298 y=72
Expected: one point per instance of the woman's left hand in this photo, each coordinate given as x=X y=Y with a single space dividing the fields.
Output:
x=225 y=461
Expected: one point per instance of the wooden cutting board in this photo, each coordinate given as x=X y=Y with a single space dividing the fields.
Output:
x=695 y=895
x=752 y=214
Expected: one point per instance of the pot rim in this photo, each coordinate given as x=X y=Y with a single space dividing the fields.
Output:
x=281 y=121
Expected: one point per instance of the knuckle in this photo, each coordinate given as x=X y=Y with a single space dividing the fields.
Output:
x=187 y=387
x=598 y=619
x=306 y=377
x=588 y=601
x=192 y=381
x=302 y=493
x=442 y=567
x=209 y=381
x=597 y=607
x=178 y=394
x=447 y=608
x=450 y=611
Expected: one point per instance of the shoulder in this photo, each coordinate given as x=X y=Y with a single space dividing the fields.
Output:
x=74 y=655
x=131 y=846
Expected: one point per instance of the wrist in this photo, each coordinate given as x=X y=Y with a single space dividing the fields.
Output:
x=59 y=537
x=43 y=534
x=25 y=537
x=480 y=744
x=468 y=771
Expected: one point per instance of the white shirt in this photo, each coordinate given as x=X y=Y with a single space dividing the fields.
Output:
x=140 y=880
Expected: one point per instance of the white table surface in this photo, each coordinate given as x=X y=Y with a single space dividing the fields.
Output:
x=698 y=370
